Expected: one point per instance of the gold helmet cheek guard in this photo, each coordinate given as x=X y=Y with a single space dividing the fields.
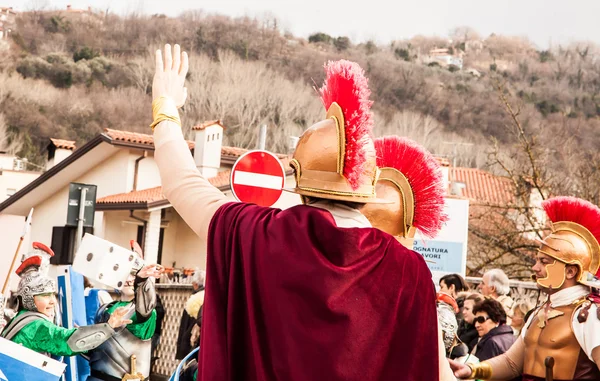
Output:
x=555 y=275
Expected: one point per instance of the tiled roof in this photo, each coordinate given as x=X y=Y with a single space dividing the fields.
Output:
x=134 y=137
x=153 y=195
x=64 y=144
x=146 y=195
x=208 y=123
x=484 y=187
x=137 y=138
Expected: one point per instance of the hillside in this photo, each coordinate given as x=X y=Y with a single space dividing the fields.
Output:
x=72 y=74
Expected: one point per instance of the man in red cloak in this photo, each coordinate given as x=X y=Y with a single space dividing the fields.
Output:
x=312 y=292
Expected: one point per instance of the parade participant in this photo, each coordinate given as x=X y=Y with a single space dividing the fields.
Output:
x=33 y=326
x=313 y=291
x=129 y=351
x=411 y=179
x=567 y=326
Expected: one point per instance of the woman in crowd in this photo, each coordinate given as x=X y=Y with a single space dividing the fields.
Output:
x=519 y=311
x=466 y=331
x=495 y=336
x=452 y=284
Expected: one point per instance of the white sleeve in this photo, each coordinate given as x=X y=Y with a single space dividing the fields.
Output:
x=588 y=332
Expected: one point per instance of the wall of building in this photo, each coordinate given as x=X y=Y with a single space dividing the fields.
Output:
x=111 y=177
x=12 y=181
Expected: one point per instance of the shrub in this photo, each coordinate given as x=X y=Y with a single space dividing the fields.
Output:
x=319 y=37
x=85 y=53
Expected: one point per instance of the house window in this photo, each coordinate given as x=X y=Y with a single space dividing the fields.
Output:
x=10 y=192
x=161 y=239
x=141 y=235
x=63 y=244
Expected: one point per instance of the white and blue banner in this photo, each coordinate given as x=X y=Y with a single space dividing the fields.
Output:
x=18 y=363
x=446 y=253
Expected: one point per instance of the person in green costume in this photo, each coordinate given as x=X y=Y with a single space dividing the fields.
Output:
x=33 y=326
x=113 y=359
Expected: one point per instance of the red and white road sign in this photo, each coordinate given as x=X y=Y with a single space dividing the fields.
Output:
x=258 y=177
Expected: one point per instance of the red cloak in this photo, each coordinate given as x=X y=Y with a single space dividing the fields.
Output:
x=290 y=296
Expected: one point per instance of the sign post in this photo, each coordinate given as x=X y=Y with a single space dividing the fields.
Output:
x=258 y=177
x=81 y=208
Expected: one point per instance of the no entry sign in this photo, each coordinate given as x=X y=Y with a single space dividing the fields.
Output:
x=257 y=177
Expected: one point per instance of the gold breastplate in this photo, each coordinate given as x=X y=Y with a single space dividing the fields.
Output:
x=555 y=339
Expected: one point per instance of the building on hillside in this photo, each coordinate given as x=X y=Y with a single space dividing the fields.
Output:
x=130 y=203
x=7 y=22
x=445 y=58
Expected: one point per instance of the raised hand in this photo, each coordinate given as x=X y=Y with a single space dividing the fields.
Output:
x=117 y=318
x=152 y=270
x=169 y=75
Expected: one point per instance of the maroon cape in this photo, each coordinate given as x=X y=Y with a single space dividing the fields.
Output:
x=290 y=296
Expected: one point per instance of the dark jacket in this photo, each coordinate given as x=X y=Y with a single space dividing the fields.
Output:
x=495 y=342
x=185 y=333
x=468 y=334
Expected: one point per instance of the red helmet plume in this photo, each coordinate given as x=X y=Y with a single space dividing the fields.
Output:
x=424 y=175
x=347 y=85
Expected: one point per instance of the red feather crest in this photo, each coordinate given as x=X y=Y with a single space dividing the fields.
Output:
x=347 y=85
x=576 y=210
x=31 y=261
x=424 y=176
x=44 y=248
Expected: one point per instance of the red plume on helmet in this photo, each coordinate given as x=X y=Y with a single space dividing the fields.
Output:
x=565 y=208
x=424 y=175
x=572 y=209
x=347 y=85
x=35 y=258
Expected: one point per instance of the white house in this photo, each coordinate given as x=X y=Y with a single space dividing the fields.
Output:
x=130 y=204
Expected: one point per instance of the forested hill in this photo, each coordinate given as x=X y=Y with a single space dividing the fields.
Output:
x=72 y=74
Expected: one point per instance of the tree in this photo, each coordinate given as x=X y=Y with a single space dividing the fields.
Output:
x=319 y=37
x=505 y=234
x=464 y=34
x=341 y=43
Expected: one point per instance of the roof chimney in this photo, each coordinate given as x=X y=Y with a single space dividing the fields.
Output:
x=207 y=150
x=68 y=7
x=58 y=150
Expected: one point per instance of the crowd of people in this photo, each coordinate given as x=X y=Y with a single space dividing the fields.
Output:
x=488 y=321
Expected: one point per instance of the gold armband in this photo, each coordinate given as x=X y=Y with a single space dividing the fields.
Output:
x=481 y=371
x=164 y=108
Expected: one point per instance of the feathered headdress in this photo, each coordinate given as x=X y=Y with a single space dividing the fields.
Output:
x=347 y=86
x=584 y=213
x=39 y=257
x=424 y=175
x=566 y=209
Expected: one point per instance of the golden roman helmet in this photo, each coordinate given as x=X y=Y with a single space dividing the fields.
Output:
x=411 y=179
x=335 y=158
x=573 y=240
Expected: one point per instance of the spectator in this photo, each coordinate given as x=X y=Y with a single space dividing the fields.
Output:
x=467 y=333
x=452 y=284
x=188 y=322
x=495 y=284
x=495 y=336
x=160 y=315
x=519 y=311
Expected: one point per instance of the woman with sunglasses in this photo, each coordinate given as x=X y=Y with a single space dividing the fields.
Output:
x=495 y=336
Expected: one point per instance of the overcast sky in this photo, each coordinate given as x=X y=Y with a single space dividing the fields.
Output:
x=544 y=22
